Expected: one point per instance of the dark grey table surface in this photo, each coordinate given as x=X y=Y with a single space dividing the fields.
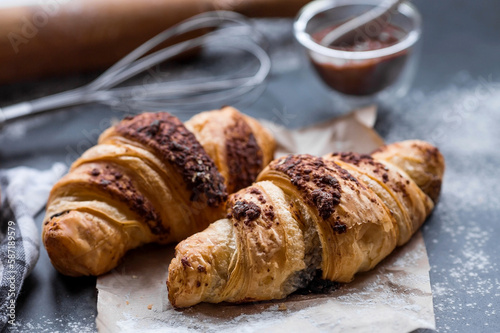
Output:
x=454 y=103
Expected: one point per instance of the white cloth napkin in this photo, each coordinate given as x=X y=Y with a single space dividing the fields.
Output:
x=24 y=193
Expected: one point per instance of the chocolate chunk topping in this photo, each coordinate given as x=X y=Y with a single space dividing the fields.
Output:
x=244 y=156
x=246 y=211
x=167 y=137
x=269 y=213
x=250 y=204
x=378 y=169
x=254 y=190
x=339 y=228
x=400 y=187
x=261 y=199
x=385 y=177
x=185 y=262
x=202 y=269
x=397 y=184
x=94 y=172
x=117 y=174
x=315 y=178
x=325 y=202
x=354 y=158
x=121 y=187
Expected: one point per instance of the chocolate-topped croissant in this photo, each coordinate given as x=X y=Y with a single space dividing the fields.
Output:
x=334 y=216
x=151 y=178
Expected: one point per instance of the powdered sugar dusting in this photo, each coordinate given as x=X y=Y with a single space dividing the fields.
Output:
x=57 y=325
x=463 y=121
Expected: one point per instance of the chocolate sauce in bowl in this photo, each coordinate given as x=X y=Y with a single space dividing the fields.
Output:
x=363 y=77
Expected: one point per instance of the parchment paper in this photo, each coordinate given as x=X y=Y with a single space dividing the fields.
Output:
x=394 y=297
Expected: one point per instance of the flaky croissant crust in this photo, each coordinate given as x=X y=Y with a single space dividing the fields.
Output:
x=339 y=215
x=149 y=179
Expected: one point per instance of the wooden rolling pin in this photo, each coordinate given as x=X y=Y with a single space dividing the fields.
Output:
x=59 y=37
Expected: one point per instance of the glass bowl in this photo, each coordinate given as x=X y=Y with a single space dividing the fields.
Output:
x=358 y=69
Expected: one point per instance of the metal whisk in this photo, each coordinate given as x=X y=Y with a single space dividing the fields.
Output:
x=227 y=29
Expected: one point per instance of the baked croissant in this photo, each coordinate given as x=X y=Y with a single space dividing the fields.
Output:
x=150 y=179
x=334 y=216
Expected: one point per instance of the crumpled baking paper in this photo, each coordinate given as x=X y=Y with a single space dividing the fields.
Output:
x=394 y=297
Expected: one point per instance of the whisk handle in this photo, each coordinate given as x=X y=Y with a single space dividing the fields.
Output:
x=49 y=103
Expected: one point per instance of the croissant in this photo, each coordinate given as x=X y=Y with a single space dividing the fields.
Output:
x=334 y=216
x=150 y=179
